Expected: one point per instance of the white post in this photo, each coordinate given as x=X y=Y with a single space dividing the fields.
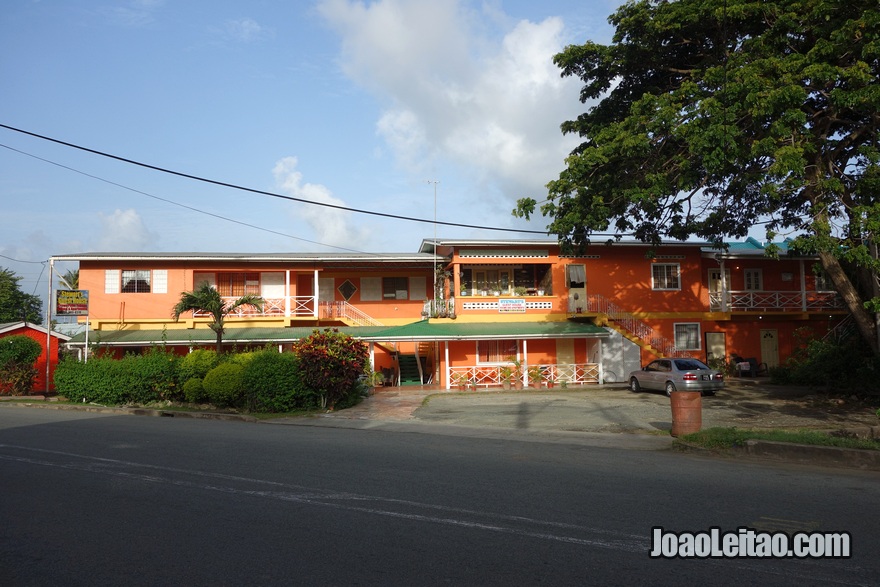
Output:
x=49 y=325
x=315 y=297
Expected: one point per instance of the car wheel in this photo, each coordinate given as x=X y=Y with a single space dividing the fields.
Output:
x=634 y=385
x=670 y=387
x=705 y=393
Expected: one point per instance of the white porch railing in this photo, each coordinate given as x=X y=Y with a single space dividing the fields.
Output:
x=490 y=375
x=770 y=301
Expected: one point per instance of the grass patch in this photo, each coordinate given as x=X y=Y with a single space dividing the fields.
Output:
x=724 y=438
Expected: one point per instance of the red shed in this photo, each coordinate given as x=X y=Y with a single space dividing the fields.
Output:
x=38 y=333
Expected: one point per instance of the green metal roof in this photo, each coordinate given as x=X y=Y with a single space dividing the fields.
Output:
x=426 y=330
x=422 y=330
x=207 y=336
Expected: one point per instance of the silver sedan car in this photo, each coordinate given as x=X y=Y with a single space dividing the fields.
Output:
x=677 y=374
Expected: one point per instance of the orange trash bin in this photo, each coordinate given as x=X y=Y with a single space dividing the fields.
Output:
x=687 y=412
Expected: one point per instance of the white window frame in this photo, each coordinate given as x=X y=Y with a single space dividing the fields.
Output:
x=753 y=280
x=676 y=269
x=691 y=331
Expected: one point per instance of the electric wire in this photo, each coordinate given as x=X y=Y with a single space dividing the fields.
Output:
x=263 y=192
x=155 y=197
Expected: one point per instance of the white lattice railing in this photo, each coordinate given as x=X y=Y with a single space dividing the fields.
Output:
x=271 y=307
x=347 y=312
x=769 y=301
x=490 y=375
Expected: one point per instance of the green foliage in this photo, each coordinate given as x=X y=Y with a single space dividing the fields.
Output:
x=134 y=379
x=15 y=305
x=724 y=438
x=196 y=364
x=846 y=365
x=18 y=354
x=223 y=385
x=724 y=113
x=272 y=383
x=194 y=391
x=331 y=364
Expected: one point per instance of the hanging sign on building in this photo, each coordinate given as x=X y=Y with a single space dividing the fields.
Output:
x=72 y=302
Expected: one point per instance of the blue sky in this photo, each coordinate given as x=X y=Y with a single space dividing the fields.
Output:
x=359 y=104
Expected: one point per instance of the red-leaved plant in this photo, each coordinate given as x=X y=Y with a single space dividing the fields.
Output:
x=331 y=363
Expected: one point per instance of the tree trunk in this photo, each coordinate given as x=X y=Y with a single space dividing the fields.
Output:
x=843 y=285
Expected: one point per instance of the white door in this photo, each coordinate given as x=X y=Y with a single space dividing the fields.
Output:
x=770 y=347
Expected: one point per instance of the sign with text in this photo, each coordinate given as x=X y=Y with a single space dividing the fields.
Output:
x=511 y=306
x=72 y=302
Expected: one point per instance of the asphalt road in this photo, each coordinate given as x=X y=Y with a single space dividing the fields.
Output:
x=99 y=499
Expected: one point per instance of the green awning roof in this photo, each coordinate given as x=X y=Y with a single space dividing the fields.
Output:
x=426 y=330
x=417 y=331
x=206 y=336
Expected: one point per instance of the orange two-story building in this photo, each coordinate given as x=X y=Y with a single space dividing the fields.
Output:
x=477 y=310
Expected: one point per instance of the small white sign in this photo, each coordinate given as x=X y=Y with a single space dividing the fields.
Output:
x=507 y=306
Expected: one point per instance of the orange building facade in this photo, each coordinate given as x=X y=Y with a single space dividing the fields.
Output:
x=481 y=312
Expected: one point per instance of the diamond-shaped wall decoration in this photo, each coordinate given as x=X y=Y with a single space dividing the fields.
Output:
x=347 y=289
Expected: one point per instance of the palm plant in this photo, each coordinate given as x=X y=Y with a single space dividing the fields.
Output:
x=207 y=299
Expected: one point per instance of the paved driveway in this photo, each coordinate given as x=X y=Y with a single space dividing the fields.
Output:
x=613 y=408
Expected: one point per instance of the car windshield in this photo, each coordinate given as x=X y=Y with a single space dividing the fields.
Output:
x=689 y=365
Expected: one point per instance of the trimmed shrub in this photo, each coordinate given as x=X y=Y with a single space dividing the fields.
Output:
x=18 y=355
x=197 y=364
x=223 y=385
x=272 y=383
x=194 y=390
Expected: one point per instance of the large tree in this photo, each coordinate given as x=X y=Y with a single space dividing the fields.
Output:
x=15 y=305
x=206 y=298
x=707 y=117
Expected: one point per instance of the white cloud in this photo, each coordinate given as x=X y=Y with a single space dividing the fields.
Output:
x=124 y=230
x=489 y=104
x=244 y=30
x=331 y=226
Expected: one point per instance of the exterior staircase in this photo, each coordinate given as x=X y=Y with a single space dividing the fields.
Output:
x=410 y=370
x=631 y=327
x=344 y=311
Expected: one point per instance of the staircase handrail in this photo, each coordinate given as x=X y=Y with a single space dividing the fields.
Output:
x=600 y=304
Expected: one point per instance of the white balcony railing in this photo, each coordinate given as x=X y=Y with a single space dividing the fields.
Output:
x=776 y=301
x=299 y=306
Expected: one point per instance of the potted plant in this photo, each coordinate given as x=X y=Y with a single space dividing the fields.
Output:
x=460 y=380
x=519 y=290
x=550 y=382
x=374 y=379
x=506 y=373
x=535 y=376
x=516 y=372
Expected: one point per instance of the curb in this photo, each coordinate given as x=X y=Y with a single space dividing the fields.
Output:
x=805 y=454
x=133 y=411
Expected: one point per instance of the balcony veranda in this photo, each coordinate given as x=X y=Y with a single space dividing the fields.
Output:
x=775 y=301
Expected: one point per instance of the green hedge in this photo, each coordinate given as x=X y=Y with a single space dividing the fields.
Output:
x=261 y=381
x=134 y=379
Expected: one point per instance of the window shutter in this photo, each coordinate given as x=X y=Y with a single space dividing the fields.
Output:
x=418 y=288
x=371 y=289
x=160 y=281
x=111 y=281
